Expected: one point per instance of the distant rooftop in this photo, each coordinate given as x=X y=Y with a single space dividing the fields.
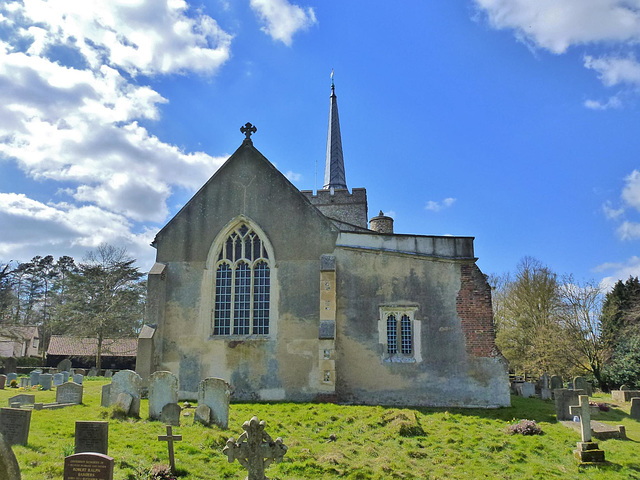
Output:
x=88 y=347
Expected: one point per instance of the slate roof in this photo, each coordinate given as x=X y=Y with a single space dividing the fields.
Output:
x=87 y=347
x=334 y=176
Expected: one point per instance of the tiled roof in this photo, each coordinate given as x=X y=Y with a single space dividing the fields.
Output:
x=87 y=347
x=19 y=332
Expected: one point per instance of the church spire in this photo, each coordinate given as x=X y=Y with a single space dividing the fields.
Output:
x=334 y=176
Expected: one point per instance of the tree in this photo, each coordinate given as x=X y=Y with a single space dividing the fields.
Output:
x=7 y=298
x=105 y=297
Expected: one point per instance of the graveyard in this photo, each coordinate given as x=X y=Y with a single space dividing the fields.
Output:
x=331 y=441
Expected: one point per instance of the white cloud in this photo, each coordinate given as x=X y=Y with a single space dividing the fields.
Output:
x=70 y=106
x=293 y=176
x=618 y=271
x=615 y=70
x=631 y=191
x=282 y=19
x=611 y=212
x=437 y=206
x=629 y=230
x=613 y=102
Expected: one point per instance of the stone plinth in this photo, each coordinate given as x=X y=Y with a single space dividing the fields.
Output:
x=588 y=452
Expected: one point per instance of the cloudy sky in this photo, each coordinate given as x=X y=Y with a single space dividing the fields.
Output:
x=514 y=121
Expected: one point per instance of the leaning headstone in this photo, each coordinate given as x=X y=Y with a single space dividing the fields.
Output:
x=14 y=425
x=255 y=450
x=215 y=393
x=129 y=382
x=45 y=381
x=25 y=382
x=65 y=377
x=635 y=408
x=69 y=392
x=88 y=466
x=23 y=399
x=3 y=381
x=78 y=378
x=105 y=399
x=163 y=389
x=93 y=372
x=10 y=365
x=11 y=377
x=170 y=414
x=58 y=379
x=526 y=389
x=34 y=377
x=202 y=415
x=556 y=382
x=64 y=365
x=564 y=398
x=9 y=469
x=92 y=437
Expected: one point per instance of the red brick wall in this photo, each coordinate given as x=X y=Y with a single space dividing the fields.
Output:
x=474 y=309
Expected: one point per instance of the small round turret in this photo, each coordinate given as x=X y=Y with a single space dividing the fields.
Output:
x=381 y=223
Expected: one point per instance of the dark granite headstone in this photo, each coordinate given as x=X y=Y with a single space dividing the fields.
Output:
x=635 y=408
x=92 y=437
x=88 y=466
x=14 y=425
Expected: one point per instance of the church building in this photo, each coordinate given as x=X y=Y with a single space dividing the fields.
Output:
x=298 y=296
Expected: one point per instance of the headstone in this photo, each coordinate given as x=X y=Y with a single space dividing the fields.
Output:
x=64 y=365
x=564 y=398
x=88 y=466
x=45 y=381
x=545 y=394
x=23 y=399
x=25 y=382
x=127 y=381
x=34 y=377
x=580 y=383
x=526 y=389
x=14 y=425
x=255 y=449
x=92 y=437
x=587 y=451
x=78 y=378
x=105 y=399
x=556 y=382
x=93 y=372
x=215 y=393
x=108 y=373
x=170 y=414
x=170 y=438
x=11 y=377
x=80 y=371
x=3 y=381
x=58 y=379
x=69 y=392
x=625 y=387
x=10 y=365
x=544 y=381
x=9 y=469
x=624 y=395
x=202 y=415
x=124 y=401
x=65 y=377
x=635 y=408
x=163 y=389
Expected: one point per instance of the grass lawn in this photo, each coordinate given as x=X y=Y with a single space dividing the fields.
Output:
x=370 y=442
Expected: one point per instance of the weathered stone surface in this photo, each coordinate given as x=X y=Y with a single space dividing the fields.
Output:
x=544 y=381
x=58 y=379
x=69 y=392
x=588 y=452
x=64 y=365
x=215 y=393
x=624 y=395
x=92 y=437
x=88 y=466
x=105 y=399
x=202 y=415
x=108 y=373
x=580 y=383
x=564 y=398
x=556 y=382
x=78 y=378
x=635 y=408
x=127 y=381
x=45 y=381
x=170 y=414
x=23 y=399
x=9 y=468
x=65 y=376
x=14 y=425
x=34 y=377
x=163 y=389
x=11 y=377
x=3 y=381
x=124 y=401
x=25 y=382
x=526 y=389
x=545 y=394
x=10 y=365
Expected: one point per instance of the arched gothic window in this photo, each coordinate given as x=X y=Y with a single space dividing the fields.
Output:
x=242 y=290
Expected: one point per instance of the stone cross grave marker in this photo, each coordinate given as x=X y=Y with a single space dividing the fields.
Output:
x=88 y=466
x=255 y=450
x=14 y=425
x=92 y=437
x=170 y=438
x=9 y=468
x=587 y=450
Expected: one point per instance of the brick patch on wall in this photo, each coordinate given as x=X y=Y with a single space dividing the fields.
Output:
x=474 y=309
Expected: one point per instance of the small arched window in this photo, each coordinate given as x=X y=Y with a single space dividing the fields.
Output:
x=242 y=290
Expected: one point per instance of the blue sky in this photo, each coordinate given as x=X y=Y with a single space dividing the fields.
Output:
x=509 y=120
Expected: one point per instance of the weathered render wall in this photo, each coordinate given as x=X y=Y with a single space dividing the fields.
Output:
x=448 y=370
x=284 y=364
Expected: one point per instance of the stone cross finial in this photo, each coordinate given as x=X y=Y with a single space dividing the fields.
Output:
x=248 y=129
x=255 y=450
x=585 y=416
x=170 y=438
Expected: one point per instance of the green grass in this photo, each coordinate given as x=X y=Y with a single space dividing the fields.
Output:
x=370 y=442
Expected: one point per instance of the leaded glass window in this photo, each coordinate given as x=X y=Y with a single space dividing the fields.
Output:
x=243 y=283
x=399 y=333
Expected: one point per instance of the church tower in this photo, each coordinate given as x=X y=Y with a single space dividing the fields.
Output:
x=347 y=209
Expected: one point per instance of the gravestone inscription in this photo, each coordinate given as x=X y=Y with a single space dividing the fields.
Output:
x=88 y=466
x=92 y=437
x=14 y=425
x=69 y=392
